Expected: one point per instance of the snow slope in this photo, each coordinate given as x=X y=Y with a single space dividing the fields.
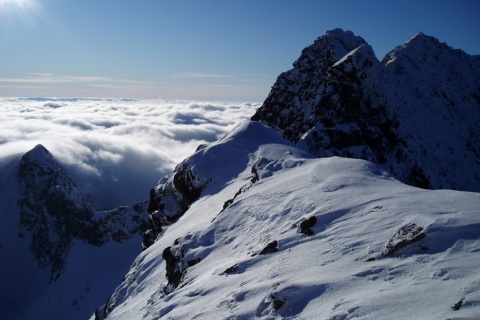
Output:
x=249 y=247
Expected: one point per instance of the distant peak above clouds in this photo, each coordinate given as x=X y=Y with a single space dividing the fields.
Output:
x=39 y=152
x=415 y=113
x=39 y=157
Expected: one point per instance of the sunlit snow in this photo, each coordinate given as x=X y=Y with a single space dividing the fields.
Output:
x=339 y=272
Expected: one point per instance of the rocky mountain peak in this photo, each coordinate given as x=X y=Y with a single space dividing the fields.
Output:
x=41 y=173
x=40 y=158
x=54 y=213
x=339 y=100
x=328 y=49
x=39 y=152
x=51 y=208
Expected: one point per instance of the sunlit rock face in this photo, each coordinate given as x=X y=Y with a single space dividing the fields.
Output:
x=415 y=112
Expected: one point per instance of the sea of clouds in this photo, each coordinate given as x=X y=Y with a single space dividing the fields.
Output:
x=116 y=149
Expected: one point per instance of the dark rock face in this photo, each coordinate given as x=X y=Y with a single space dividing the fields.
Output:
x=231 y=269
x=174 y=268
x=51 y=209
x=169 y=200
x=54 y=213
x=178 y=261
x=270 y=248
x=340 y=100
x=306 y=225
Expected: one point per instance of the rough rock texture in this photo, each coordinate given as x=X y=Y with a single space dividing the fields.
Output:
x=170 y=199
x=306 y=225
x=404 y=236
x=174 y=268
x=51 y=209
x=270 y=248
x=54 y=213
x=415 y=112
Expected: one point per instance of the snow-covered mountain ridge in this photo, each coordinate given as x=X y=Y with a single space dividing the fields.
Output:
x=255 y=226
x=258 y=226
x=277 y=233
x=415 y=113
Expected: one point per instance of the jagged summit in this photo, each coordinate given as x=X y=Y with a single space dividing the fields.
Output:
x=328 y=48
x=420 y=48
x=39 y=149
x=340 y=100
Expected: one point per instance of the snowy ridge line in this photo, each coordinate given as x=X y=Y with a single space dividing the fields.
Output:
x=253 y=260
x=328 y=238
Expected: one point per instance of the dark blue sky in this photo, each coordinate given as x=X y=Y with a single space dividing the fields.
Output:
x=204 y=50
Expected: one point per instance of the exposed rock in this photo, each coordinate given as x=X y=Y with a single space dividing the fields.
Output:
x=191 y=263
x=457 y=305
x=174 y=268
x=178 y=260
x=231 y=269
x=171 y=198
x=255 y=178
x=184 y=181
x=306 y=225
x=52 y=210
x=277 y=303
x=270 y=248
x=403 y=237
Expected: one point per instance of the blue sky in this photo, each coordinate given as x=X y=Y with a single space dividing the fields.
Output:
x=202 y=50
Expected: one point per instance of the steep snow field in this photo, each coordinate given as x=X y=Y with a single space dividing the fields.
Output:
x=342 y=270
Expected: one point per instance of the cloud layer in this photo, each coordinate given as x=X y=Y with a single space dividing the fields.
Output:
x=118 y=149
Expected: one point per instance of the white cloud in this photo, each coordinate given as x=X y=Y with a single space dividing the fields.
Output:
x=118 y=148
